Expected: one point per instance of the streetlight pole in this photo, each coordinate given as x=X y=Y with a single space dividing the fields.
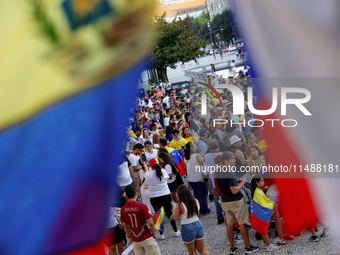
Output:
x=211 y=38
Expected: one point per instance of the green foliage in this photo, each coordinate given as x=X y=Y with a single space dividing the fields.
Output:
x=175 y=42
x=199 y=24
x=223 y=21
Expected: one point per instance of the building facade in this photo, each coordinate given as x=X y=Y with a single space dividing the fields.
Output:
x=217 y=7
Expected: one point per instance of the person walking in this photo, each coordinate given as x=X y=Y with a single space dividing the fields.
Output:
x=192 y=229
x=159 y=193
x=136 y=219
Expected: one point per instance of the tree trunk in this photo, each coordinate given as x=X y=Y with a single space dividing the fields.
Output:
x=162 y=73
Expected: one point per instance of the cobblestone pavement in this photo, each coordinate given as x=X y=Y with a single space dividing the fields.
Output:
x=216 y=241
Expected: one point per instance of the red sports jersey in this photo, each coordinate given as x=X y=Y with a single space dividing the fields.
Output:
x=135 y=215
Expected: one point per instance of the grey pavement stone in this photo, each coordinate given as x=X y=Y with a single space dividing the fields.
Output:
x=217 y=244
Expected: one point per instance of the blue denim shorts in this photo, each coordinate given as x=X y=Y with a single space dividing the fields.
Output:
x=192 y=231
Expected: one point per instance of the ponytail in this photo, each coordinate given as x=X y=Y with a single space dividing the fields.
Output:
x=159 y=173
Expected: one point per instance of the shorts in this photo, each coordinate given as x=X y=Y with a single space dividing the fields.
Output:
x=173 y=186
x=118 y=234
x=236 y=211
x=192 y=231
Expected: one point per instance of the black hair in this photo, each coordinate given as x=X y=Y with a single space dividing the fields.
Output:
x=147 y=142
x=176 y=131
x=152 y=125
x=161 y=149
x=138 y=146
x=171 y=116
x=256 y=178
x=168 y=131
x=256 y=148
x=187 y=151
x=186 y=116
x=166 y=157
x=159 y=173
x=178 y=116
x=185 y=196
x=163 y=141
x=167 y=110
x=130 y=191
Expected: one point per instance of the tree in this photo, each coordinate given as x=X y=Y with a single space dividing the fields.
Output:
x=175 y=42
x=199 y=24
x=224 y=21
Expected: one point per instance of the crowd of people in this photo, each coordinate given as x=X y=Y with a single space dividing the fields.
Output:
x=169 y=144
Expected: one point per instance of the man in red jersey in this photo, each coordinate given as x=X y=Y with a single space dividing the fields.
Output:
x=136 y=218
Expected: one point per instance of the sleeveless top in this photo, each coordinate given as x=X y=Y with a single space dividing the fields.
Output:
x=192 y=174
x=184 y=216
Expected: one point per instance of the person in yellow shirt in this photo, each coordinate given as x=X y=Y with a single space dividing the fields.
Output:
x=261 y=143
x=178 y=143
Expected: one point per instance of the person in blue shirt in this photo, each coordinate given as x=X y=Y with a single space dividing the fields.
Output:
x=248 y=117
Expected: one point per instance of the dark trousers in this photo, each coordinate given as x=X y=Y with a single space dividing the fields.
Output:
x=165 y=201
x=201 y=194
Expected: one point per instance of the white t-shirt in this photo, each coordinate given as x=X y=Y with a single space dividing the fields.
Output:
x=166 y=122
x=184 y=91
x=168 y=169
x=134 y=160
x=123 y=178
x=112 y=221
x=166 y=100
x=232 y=65
x=193 y=173
x=151 y=155
x=157 y=187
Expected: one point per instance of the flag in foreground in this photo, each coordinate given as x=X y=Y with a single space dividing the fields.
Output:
x=67 y=66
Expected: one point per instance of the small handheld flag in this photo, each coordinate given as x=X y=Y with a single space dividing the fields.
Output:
x=159 y=216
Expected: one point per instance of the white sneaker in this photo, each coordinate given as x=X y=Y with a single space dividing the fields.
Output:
x=280 y=241
x=272 y=247
x=162 y=237
x=177 y=233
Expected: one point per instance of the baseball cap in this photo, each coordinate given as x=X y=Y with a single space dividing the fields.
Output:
x=203 y=131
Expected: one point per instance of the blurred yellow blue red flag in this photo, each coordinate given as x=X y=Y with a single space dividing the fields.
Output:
x=69 y=69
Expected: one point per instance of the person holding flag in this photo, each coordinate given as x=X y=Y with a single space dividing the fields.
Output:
x=176 y=157
x=159 y=193
x=261 y=210
x=178 y=143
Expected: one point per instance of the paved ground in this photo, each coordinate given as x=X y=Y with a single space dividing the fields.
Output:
x=216 y=241
x=217 y=244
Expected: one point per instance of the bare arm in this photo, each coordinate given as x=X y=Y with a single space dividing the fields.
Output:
x=152 y=227
x=200 y=159
x=178 y=212
x=127 y=232
x=139 y=182
x=236 y=189
x=240 y=156
x=131 y=172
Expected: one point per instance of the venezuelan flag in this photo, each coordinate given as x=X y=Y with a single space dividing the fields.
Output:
x=180 y=148
x=159 y=217
x=178 y=160
x=68 y=68
x=260 y=212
